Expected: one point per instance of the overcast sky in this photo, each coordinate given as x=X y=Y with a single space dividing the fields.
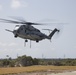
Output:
x=63 y=11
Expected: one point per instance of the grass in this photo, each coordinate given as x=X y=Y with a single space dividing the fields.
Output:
x=16 y=70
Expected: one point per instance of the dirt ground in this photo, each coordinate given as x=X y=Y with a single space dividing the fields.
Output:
x=49 y=73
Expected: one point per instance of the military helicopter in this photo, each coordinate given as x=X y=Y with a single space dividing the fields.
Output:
x=27 y=31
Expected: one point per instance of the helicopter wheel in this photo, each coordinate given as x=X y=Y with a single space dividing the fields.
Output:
x=37 y=40
x=26 y=40
x=16 y=36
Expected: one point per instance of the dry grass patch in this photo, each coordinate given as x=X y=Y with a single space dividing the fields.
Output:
x=15 y=70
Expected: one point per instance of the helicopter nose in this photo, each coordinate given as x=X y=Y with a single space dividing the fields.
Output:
x=15 y=33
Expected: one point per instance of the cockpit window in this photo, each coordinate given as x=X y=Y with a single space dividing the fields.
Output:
x=37 y=30
x=16 y=27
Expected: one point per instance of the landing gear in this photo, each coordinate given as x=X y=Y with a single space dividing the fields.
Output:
x=25 y=42
x=37 y=40
x=16 y=36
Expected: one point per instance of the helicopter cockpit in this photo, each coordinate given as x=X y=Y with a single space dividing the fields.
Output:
x=16 y=27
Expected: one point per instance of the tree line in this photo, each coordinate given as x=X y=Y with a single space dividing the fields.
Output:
x=29 y=61
x=20 y=61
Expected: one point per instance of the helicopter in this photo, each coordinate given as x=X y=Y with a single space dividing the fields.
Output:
x=27 y=31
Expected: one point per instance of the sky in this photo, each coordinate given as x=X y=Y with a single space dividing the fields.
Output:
x=63 y=11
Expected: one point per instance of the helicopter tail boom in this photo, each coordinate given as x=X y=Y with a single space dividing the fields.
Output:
x=53 y=32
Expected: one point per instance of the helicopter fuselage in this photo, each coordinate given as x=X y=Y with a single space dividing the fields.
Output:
x=29 y=32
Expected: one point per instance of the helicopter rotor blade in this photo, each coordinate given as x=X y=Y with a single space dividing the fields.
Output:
x=27 y=23
x=24 y=21
x=11 y=21
x=17 y=22
x=18 y=18
x=20 y=22
x=47 y=29
x=31 y=23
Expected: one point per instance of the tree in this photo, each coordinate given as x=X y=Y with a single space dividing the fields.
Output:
x=25 y=60
x=35 y=61
x=5 y=62
x=12 y=63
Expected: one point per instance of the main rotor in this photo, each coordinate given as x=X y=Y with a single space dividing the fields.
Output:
x=18 y=21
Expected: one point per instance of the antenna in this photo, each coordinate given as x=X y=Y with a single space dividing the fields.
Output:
x=17 y=55
x=64 y=56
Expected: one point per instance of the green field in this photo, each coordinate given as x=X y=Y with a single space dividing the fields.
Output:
x=15 y=70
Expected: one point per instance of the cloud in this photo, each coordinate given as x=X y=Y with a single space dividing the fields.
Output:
x=15 y=4
x=0 y=7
